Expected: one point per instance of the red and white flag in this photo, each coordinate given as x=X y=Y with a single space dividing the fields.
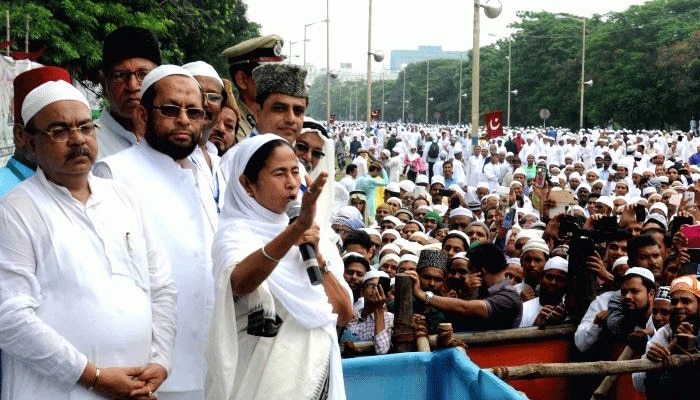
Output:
x=494 y=123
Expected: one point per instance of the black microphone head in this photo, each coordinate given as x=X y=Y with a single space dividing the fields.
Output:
x=293 y=210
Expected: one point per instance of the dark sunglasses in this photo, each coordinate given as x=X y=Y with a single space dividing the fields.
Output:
x=304 y=148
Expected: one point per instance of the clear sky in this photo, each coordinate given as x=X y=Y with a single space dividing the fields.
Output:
x=397 y=24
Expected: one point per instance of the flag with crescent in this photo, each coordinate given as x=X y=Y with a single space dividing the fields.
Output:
x=494 y=123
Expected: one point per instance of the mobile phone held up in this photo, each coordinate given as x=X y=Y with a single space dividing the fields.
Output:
x=540 y=176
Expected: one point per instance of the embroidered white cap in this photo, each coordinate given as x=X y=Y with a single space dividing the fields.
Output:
x=47 y=93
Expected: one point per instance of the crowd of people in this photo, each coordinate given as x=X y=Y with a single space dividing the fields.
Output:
x=192 y=244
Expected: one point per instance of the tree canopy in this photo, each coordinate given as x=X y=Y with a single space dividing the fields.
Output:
x=644 y=63
x=72 y=31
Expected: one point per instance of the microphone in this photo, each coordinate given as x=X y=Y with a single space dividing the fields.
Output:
x=308 y=254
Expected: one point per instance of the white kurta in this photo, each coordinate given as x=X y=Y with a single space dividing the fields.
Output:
x=179 y=202
x=112 y=137
x=78 y=283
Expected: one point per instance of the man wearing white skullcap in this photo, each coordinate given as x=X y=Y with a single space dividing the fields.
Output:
x=75 y=252
x=373 y=321
x=205 y=156
x=178 y=200
x=548 y=307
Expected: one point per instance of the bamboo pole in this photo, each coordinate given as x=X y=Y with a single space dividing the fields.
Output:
x=403 y=320
x=422 y=342
x=536 y=371
x=490 y=337
x=609 y=381
x=7 y=19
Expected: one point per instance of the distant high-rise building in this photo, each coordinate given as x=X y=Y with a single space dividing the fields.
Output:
x=399 y=57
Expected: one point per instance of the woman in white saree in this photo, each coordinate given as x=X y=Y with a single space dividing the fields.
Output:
x=273 y=334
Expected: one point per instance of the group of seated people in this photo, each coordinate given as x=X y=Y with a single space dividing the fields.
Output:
x=473 y=268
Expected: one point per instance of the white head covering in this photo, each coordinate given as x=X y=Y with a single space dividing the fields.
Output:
x=557 y=262
x=200 y=68
x=161 y=72
x=47 y=93
x=244 y=227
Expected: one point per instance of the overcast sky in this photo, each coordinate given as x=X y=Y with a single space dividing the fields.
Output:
x=397 y=25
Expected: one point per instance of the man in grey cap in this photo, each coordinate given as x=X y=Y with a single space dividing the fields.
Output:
x=243 y=58
x=281 y=99
x=128 y=55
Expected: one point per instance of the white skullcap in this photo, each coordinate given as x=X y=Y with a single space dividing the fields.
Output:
x=389 y=257
x=462 y=255
x=460 y=234
x=432 y=246
x=528 y=233
x=200 y=68
x=393 y=187
x=536 y=244
x=47 y=93
x=374 y=273
x=606 y=200
x=407 y=185
x=393 y=220
x=401 y=242
x=419 y=235
x=557 y=263
x=391 y=232
x=409 y=257
x=482 y=185
x=371 y=232
x=643 y=272
x=659 y=206
x=390 y=246
x=575 y=175
x=161 y=72
x=440 y=209
x=438 y=179
x=519 y=171
x=412 y=248
x=461 y=211
x=620 y=261
x=421 y=178
x=514 y=260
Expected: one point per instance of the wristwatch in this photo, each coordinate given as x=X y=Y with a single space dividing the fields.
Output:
x=324 y=267
x=428 y=297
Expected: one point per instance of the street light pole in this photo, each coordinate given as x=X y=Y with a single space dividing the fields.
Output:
x=427 y=90
x=369 y=68
x=510 y=41
x=290 y=50
x=491 y=12
x=459 y=117
x=403 y=96
x=582 y=83
x=328 y=66
x=583 y=70
x=306 y=40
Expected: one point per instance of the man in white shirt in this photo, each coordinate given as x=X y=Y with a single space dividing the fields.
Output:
x=348 y=181
x=128 y=54
x=178 y=201
x=86 y=297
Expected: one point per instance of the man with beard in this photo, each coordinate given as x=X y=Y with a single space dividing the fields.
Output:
x=548 y=307
x=643 y=252
x=309 y=145
x=223 y=133
x=637 y=293
x=177 y=200
x=684 y=321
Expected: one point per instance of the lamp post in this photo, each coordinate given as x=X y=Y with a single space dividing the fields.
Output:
x=328 y=66
x=459 y=117
x=491 y=11
x=510 y=59
x=459 y=94
x=403 y=95
x=290 y=50
x=427 y=90
x=306 y=40
x=378 y=56
x=583 y=82
x=427 y=102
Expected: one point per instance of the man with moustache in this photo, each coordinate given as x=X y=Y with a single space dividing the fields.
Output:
x=676 y=383
x=179 y=202
x=86 y=297
x=548 y=307
x=643 y=252
x=223 y=132
x=129 y=53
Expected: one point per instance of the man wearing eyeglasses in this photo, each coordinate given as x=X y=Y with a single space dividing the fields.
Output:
x=176 y=199
x=309 y=144
x=88 y=303
x=128 y=55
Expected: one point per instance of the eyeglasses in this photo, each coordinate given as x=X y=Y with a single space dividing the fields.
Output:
x=172 y=111
x=214 y=98
x=304 y=148
x=370 y=286
x=123 y=76
x=61 y=134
